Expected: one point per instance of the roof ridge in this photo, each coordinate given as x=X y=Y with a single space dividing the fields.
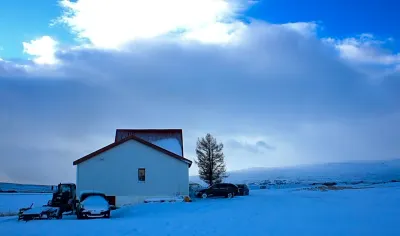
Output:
x=136 y=138
x=176 y=129
x=120 y=133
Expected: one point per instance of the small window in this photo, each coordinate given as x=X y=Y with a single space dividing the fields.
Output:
x=216 y=186
x=142 y=174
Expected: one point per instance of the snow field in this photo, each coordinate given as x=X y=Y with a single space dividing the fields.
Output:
x=367 y=212
x=10 y=203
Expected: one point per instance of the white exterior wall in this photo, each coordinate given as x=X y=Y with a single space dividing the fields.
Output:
x=115 y=172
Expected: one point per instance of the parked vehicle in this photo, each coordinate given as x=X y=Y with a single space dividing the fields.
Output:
x=243 y=189
x=219 y=190
x=63 y=200
x=93 y=204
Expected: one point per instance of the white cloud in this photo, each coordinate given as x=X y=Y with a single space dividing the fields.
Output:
x=365 y=49
x=112 y=23
x=276 y=84
x=273 y=85
x=216 y=33
x=43 y=50
x=304 y=28
x=5 y=179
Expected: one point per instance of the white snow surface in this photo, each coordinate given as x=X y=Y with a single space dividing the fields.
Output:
x=95 y=202
x=10 y=203
x=283 y=212
x=170 y=144
x=37 y=209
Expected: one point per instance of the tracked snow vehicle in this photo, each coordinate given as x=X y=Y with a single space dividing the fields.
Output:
x=63 y=200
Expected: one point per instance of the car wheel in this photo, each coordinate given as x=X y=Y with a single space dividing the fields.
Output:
x=230 y=195
x=204 y=195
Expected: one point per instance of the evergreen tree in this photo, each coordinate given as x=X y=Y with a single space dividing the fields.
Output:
x=210 y=160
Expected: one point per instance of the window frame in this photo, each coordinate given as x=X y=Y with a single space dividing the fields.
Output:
x=144 y=175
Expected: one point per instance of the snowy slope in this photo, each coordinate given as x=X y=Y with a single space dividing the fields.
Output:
x=366 y=212
x=24 y=188
x=368 y=171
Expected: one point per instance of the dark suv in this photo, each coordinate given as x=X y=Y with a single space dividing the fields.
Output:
x=219 y=190
x=243 y=189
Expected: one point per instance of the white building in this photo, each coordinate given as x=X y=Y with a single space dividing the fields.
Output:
x=139 y=164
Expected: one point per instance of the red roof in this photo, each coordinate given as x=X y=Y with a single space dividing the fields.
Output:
x=140 y=140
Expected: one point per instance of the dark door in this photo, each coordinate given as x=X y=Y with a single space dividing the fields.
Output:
x=223 y=189
x=214 y=190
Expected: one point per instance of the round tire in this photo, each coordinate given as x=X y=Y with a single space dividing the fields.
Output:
x=107 y=215
x=204 y=195
x=230 y=195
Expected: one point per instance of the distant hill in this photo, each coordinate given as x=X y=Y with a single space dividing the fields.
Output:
x=345 y=173
x=349 y=172
x=24 y=188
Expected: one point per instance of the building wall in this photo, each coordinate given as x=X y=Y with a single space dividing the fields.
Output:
x=115 y=172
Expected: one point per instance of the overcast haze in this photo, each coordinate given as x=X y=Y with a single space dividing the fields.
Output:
x=276 y=94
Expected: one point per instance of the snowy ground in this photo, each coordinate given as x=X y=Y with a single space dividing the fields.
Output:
x=371 y=211
x=10 y=203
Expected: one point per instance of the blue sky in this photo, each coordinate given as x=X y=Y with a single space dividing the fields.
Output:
x=339 y=19
x=21 y=24
x=315 y=81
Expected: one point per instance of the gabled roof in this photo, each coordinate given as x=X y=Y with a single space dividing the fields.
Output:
x=132 y=137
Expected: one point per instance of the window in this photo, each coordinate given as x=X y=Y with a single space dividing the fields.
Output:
x=142 y=174
x=216 y=186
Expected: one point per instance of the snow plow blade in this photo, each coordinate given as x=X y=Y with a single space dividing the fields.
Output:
x=39 y=213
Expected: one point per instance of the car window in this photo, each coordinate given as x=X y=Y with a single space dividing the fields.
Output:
x=64 y=188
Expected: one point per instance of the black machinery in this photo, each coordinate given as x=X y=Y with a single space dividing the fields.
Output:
x=63 y=200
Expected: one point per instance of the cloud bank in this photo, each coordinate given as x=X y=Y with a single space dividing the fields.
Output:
x=275 y=94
